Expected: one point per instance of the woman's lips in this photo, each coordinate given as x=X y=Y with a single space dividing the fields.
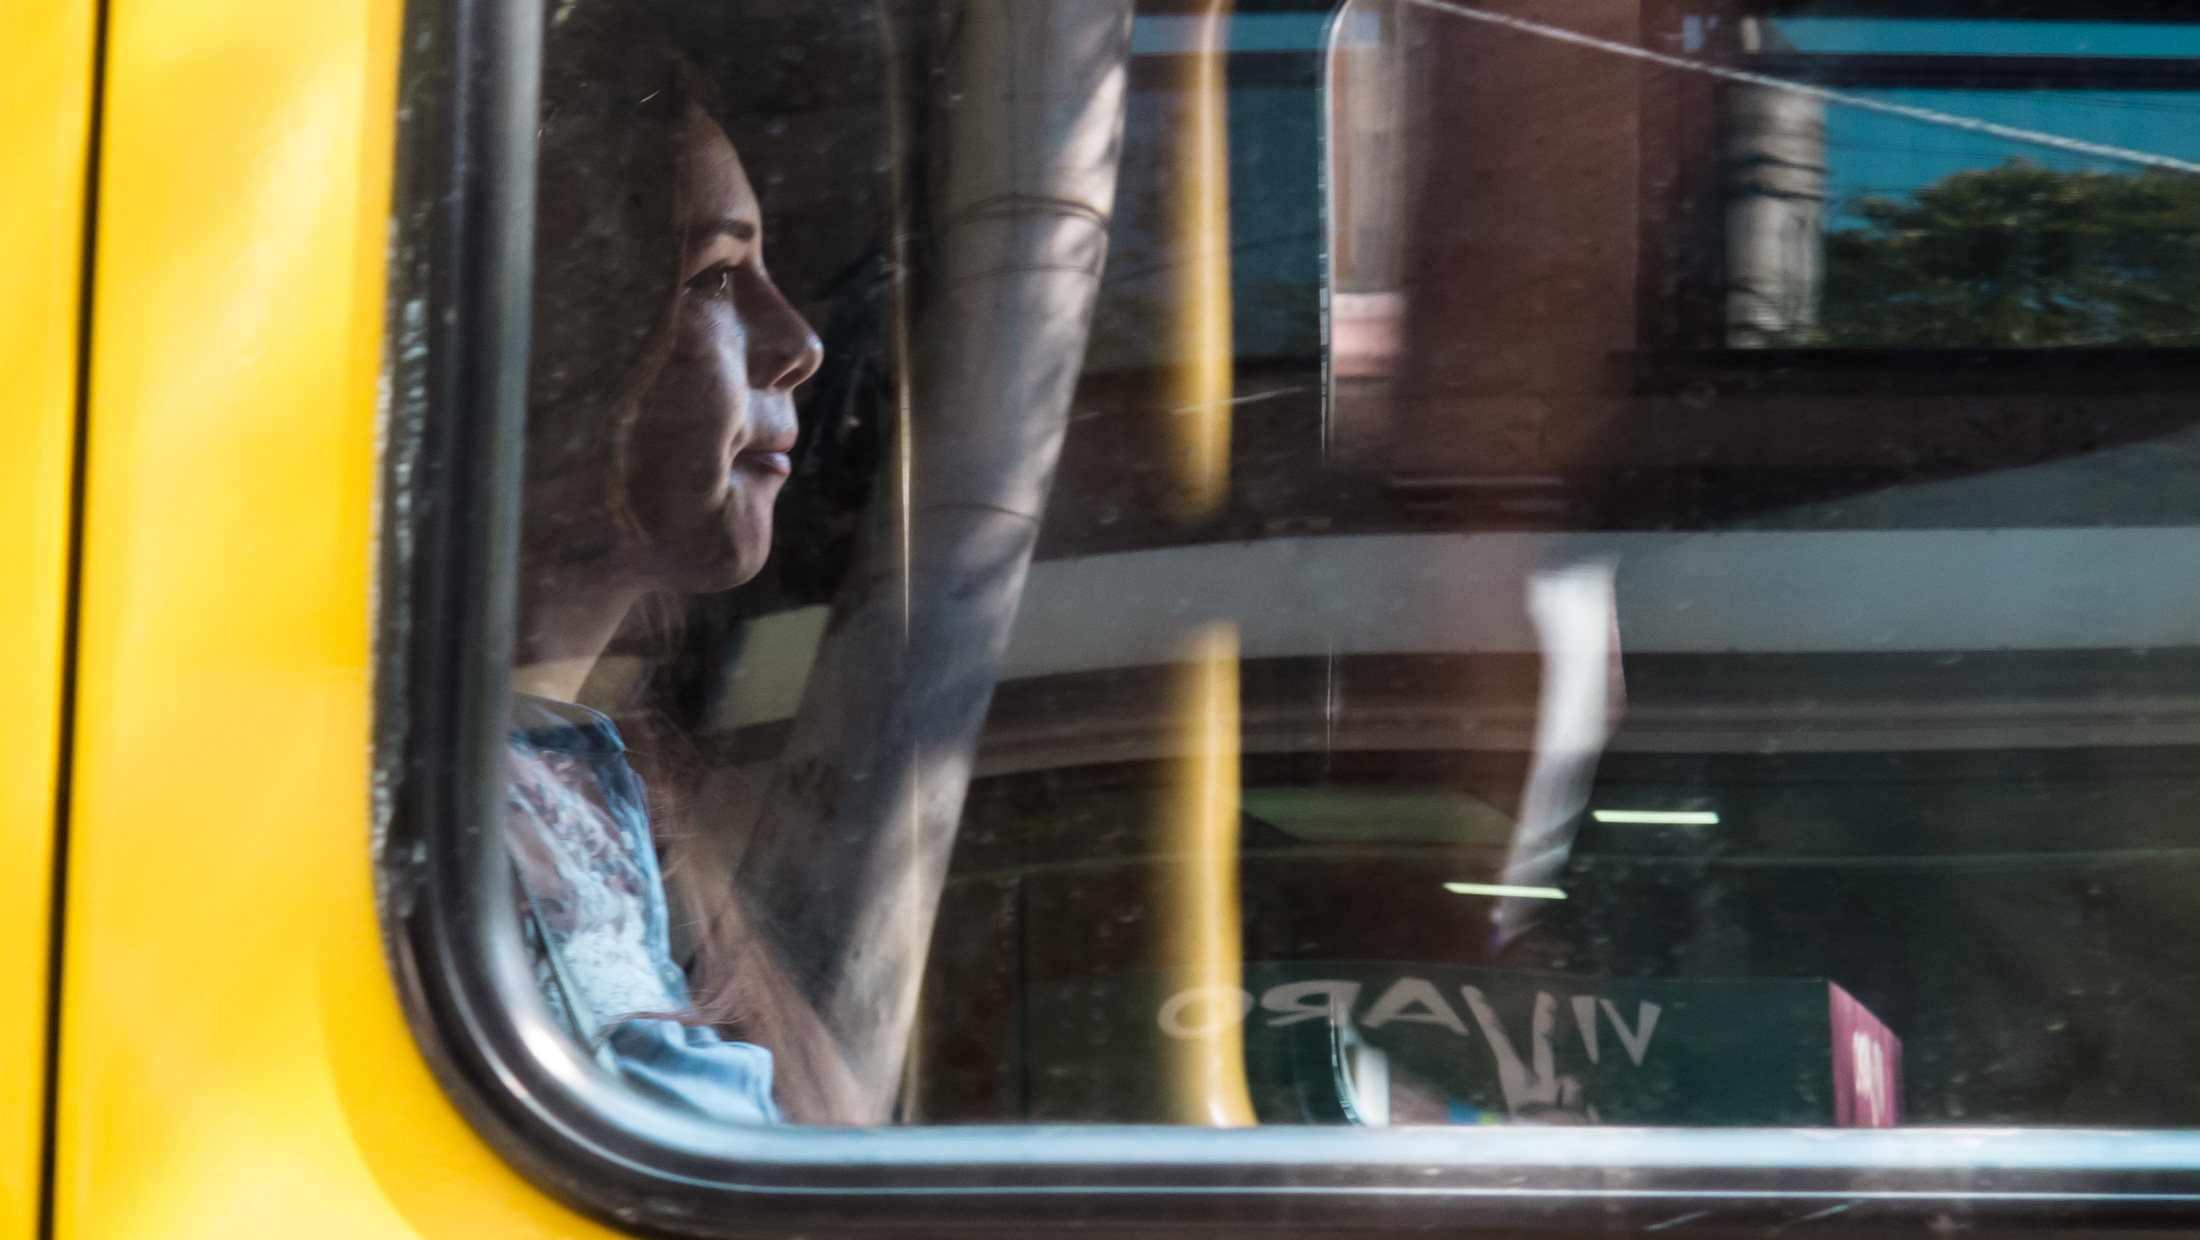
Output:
x=775 y=455
x=780 y=463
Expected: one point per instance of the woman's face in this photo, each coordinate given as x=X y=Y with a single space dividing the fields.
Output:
x=710 y=443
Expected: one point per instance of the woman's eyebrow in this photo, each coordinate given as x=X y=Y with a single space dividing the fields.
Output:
x=739 y=230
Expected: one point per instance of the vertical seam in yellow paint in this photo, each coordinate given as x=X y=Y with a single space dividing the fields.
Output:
x=71 y=598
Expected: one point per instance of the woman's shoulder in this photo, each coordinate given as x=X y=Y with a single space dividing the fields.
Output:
x=546 y=723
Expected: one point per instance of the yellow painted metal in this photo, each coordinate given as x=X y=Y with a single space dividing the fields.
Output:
x=1202 y=363
x=1203 y=955
x=46 y=96
x=234 y=1062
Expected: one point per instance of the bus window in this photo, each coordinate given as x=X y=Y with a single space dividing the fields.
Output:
x=1848 y=343
x=1403 y=564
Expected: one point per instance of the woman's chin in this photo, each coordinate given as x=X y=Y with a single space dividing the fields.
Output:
x=713 y=576
x=710 y=555
x=730 y=564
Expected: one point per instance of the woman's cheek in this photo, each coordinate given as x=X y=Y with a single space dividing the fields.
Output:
x=708 y=413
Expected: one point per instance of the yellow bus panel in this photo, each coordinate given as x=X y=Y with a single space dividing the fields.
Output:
x=234 y=1060
x=46 y=94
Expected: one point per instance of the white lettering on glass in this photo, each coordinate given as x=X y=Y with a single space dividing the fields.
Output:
x=1522 y=1089
x=1299 y=1001
x=1637 y=1041
x=1404 y=996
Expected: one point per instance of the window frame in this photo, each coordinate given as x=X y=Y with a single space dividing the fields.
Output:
x=455 y=375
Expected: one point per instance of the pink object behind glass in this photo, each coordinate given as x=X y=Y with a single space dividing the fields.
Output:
x=1867 y=1065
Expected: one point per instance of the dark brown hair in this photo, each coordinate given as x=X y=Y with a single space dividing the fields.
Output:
x=610 y=168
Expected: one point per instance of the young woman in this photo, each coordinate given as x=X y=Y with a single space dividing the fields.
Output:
x=660 y=421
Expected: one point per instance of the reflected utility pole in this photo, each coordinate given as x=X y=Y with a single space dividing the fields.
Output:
x=850 y=854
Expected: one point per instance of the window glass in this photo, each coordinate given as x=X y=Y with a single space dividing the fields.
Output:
x=1403 y=563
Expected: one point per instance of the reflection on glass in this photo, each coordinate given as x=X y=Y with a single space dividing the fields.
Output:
x=1394 y=563
x=1197 y=903
x=1935 y=235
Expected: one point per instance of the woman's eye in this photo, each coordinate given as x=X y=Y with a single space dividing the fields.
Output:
x=714 y=282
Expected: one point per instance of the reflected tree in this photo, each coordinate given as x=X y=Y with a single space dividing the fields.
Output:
x=2018 y=256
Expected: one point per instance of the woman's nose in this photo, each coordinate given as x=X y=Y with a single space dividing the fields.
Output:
x=783 y=351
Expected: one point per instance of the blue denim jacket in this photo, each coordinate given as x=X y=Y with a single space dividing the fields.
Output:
x=577 y=826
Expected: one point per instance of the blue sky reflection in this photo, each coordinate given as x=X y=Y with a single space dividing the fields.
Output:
x=1875 y=154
